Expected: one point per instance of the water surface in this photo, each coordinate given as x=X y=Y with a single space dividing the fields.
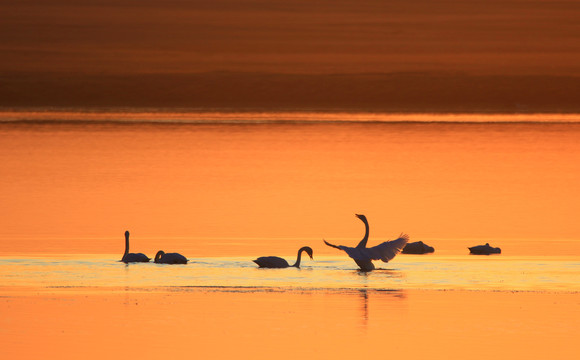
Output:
x=223 y=189
x=224 y=193
x=103 y=273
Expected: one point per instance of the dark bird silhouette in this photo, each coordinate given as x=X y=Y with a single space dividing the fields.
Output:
x=170 y=258
x=484 y=250
x=279 y=263
x=364 y=256
x=417 y=247
x=132 y=257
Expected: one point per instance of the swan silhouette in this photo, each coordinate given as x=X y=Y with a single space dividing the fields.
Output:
x=417 y=247
x=484 y=250
x=170 y=258
x=132 y=257
x=364 y=256
x=279 y=263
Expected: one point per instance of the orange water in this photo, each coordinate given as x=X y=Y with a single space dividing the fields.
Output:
x=338 y=272
x=223 y=194
x=233 y=189
x=307 y=324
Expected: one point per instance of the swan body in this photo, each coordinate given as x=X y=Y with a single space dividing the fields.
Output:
x=484 y=250
x=417 y=247
x=364 y=256
x=132 y=257
x=275 y=262
x=170 y=258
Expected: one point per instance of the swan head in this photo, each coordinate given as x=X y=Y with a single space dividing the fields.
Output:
x=362 y=217
x=309 y=251
x=127 y=234
x=159 y=254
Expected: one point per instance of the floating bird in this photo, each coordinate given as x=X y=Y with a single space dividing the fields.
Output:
x=170 y=258
x=364 y=256
x=417 y=247
x=484 y=250
x=278 y=262
x=132 y=257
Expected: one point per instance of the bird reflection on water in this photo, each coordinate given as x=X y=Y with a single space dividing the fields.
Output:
x=364 y=295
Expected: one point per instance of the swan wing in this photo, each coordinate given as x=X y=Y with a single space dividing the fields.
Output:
x=387 y=250
x=355 y=253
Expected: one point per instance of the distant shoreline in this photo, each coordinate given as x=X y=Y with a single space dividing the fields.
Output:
x=402 y=93
x=196 y=116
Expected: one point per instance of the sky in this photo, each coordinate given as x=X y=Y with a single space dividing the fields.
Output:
x=389 y=56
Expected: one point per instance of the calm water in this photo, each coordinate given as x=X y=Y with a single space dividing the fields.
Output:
x=406 y=272
x=225 y=190
x=232 y=187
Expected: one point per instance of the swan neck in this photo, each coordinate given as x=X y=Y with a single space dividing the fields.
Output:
x=126 y=245
x=363 y=242
x=298 y=259
x=159 y=255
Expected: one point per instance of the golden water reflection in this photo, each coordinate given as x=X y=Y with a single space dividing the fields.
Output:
x=261 y=324
x=241 y=189
x=497 y=273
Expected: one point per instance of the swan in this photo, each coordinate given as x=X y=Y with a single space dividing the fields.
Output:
x=417 y=247
x=484 y=250
x=132 y=257
x=364 y=256
x=170 y=258
x=278 y=262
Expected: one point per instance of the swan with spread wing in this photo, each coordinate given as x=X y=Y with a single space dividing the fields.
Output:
x=364 y=256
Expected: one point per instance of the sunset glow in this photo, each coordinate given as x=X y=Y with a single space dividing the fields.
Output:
x=232 y=130
x=193 y=117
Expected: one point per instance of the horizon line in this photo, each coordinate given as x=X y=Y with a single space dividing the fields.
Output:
x=227 y=116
